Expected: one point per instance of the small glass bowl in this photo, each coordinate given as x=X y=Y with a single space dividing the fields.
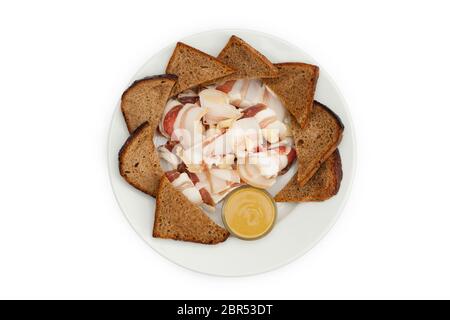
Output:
x=224 y=220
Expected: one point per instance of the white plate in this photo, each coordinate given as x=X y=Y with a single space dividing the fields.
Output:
x=300 y=226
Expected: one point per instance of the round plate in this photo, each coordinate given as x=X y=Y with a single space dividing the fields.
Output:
x=300 y=226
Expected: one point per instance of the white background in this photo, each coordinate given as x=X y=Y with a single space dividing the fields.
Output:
x=63 y=67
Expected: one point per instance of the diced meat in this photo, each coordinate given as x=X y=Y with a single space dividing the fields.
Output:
x=235 y=185
x=226 y=87
x=290 y=159
x=264 y=123
x=206 y=197
x=170 y=145
x=188 y=99
x=216 y=103
x=254 y=93
x=188 y=96
x=238 y=92
x=169 y=119
x=194 y=178
x=188 y=128
x=182 y=168
x=274 y=103
x=172 y=175
x=169 y=160
x=281 y=149
x=291 y=155
x=253 y=110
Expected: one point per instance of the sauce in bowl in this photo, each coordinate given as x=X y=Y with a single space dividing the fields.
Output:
x=249 y=213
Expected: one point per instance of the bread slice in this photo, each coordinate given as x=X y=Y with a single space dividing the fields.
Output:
x=295 y=86
x=179 y=219
x=315 y=143
x=246 y=60
x=194 y=67
x=139 y=162
x=324 y=184
x=145 y=100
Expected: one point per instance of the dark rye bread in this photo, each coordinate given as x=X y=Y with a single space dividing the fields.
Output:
x=317 y=141
x=139 y=160
x=145 y=100
x=194 y=67
x=295 y=86
x=324 y=184
x=246 y=60
x=179 y=219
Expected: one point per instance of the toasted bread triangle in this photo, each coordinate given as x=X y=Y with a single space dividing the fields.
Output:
x=139 y=162
x=145 y=100
x=246 y=60
x=324 y=184
x=179 y=219
x=295 y=86
x=194 y=67
x=317 y=141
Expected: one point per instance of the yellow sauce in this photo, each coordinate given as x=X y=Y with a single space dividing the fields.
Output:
x=249 y=213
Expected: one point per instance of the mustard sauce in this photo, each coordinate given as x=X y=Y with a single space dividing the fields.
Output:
x=249 y=213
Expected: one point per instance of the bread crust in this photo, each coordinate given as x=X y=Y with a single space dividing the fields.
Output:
x=285 y=95
x=182 y=44
x=130 y=139
x=308 y=169
x=323 y=185
x=330 y=151
x=122 y=161
x=255 y=55
x=312 y=90
x=338 y=119
x=183 y=206
x=338 y=173
x=170 y=66
x=155 y=77
x=128 y=121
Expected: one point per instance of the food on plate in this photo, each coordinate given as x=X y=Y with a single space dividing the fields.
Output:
x=139 y=162
x=248 y=62
x=179 y=219
x=295 y=86
x=220 y=142
x=224 y=130
x=194 y=67
x=324 y=184
x=251 y=174
x=249 y=213
x=145 y=99
x=315 y=143
x=217 y=106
